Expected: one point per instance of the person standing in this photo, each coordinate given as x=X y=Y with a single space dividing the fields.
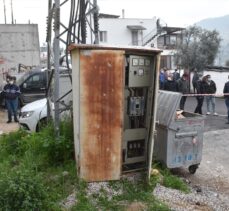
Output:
x=161 y=79
x=11 y=93
x=226 y=91
x=183 y=87
x=209 y=87
x=176 y=75
x=171 y=84
x=200 y=99
x=195 y=78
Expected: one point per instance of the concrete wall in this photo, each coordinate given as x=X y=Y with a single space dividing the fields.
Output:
x=19 y=43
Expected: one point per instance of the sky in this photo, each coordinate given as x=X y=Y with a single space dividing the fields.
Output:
x=180 y=13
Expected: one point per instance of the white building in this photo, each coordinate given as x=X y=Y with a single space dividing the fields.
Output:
x=125 y=31
x=141 y=32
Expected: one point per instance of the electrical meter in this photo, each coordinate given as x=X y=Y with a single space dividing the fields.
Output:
x=139 y=71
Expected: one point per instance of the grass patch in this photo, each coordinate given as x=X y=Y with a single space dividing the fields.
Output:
x=38 y=172
x=169 y=180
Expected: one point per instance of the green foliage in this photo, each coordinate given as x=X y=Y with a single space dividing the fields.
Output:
x=11 y=143
x=198 y=49
x=168 y=179
x=37 y=170
x=22 y=190
x=175 y=182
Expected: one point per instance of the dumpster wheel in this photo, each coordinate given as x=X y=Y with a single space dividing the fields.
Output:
x=192 y=169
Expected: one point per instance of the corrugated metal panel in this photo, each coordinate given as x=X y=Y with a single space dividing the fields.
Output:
x=101 y=114
x=168 y=103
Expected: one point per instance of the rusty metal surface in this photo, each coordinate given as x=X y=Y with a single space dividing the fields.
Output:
x=101 y=114
x=128 y=49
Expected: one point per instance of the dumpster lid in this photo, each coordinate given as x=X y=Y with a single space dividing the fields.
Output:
x=168 y=103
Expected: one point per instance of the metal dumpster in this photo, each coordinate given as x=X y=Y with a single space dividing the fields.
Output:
x=178 y=142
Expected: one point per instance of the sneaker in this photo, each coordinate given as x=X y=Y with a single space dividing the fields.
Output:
x=215 y=114
x=208 y=113
x=9 y=121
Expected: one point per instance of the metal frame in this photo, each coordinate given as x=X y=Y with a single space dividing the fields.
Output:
x=81 y=12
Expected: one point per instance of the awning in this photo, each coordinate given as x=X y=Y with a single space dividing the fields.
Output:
x=135 y=27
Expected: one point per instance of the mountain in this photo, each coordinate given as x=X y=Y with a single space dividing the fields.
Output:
x=221 y=24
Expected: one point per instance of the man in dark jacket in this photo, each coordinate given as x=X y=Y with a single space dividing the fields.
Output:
x=209 y=87
x=176 y=75
x=226 y=91
x=200 y=99
x=11 y=92
x=171 y=84
x=195 y=78
x=183 y=87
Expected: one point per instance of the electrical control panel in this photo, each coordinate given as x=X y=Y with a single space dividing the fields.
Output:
x=136 y=106
x=134 y=145
x=138 y=80
x=139 y=71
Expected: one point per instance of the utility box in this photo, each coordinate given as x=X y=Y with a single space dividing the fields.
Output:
x=179 y=140
x=114 y=105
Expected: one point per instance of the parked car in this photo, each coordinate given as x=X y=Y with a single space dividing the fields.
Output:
x=32 y=85
x=33 y=114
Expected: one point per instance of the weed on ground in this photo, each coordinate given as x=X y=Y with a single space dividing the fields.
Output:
x=38 y=172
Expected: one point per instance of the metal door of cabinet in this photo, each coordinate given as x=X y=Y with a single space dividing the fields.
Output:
x=101 y=114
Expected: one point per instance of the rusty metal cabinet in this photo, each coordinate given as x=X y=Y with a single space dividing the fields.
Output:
x=114 y=92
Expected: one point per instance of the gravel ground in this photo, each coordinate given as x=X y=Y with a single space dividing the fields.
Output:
x=197 y=200
x=210 y=183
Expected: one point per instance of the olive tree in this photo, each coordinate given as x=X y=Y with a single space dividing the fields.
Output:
x=198 y=48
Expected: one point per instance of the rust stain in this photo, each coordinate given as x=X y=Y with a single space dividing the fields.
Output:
x=101 y=114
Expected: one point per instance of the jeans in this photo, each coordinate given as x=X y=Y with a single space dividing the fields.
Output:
x=12 y=106
x=200 y=101
x=161 y=84
x=182 y=102
x=227 y=104
x=210 y=100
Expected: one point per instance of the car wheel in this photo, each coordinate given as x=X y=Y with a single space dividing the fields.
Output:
x=41 y=124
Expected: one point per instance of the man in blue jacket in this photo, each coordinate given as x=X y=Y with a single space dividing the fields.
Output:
x=11 y=92
x=226 y=91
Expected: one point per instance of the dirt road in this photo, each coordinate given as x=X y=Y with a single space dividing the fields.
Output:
x=213 y=172
x=214 y=168
x=4 y=127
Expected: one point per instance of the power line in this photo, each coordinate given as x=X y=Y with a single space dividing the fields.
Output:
x=4 y=3
x=12 y=13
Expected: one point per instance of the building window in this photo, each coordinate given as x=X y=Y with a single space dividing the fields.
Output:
x=166 y=61
x=134 y=37
x=173 y=40
x=103 y=36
